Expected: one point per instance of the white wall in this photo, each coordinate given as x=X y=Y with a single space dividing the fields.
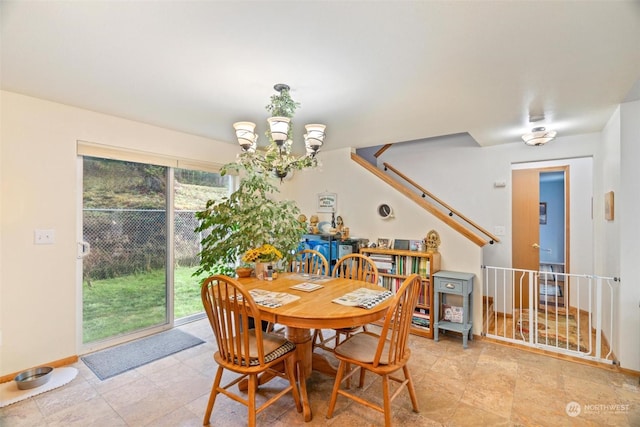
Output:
x=627 y=214
x=463 y=174
x=38 y=289
x=607 y=233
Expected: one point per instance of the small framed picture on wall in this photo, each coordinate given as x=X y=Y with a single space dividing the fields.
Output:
x=608 y=206
x=327 y=202
x=543 y=212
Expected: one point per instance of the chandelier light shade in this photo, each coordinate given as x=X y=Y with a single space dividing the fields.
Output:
x=279 y=127
x=314 y=137
x=247 y=138
x=276 y=157
x=539 y=136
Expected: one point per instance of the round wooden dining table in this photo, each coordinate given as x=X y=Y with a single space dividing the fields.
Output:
x=314 y=310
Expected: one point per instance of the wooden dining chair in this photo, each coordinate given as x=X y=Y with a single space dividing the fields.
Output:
x=244 y=350
x=382 y=354
x=306 y=261
x=350 y=266
x=309 y=261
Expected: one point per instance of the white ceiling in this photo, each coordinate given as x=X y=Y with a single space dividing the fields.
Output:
x=374 y=72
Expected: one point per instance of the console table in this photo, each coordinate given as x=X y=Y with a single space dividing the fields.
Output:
x=453 y=283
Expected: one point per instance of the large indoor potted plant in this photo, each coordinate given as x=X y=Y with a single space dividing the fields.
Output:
x=246 y=220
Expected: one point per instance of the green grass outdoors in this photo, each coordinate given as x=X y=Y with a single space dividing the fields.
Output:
x=116 y=306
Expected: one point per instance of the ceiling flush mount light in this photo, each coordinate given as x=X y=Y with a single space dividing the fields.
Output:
x=539 y=136
x=277 y=156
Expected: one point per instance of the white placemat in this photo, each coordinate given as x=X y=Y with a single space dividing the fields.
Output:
x=10 y=393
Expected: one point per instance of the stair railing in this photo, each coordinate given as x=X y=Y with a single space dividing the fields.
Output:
x=452 y=211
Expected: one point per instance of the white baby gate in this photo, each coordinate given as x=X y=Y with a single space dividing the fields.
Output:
x=564 y=313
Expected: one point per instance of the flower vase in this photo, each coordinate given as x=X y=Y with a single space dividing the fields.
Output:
x=261 y=270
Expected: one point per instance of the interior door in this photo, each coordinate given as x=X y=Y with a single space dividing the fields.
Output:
x=525 y=213
x=526 y=219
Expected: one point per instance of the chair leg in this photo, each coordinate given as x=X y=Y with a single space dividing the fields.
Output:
x=212 y=396
x=362 y=373
x=386 y=400
x=412 y=391
x=337 y=339
x=336 y=387
x=253 y=385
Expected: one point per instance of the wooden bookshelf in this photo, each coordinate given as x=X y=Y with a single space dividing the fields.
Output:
x=395 y=265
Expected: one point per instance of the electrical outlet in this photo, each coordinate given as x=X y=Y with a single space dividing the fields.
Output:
x=44 y=237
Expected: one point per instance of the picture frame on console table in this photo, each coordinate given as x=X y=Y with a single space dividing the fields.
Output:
x=384 y=243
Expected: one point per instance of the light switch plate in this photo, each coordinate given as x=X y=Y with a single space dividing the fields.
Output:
x=44 y=237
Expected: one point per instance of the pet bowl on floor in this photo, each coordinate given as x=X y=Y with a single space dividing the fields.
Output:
x=33 y=378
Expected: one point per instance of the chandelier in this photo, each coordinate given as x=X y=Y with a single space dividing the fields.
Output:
x=277 y=157
x=539 y=136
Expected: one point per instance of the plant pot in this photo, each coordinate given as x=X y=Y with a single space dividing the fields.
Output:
x=244 y=271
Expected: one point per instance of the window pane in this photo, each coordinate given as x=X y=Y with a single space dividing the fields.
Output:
x=192 y=191
x=124 y=220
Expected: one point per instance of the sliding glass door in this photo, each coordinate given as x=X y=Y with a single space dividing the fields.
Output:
x=138 y=223
x=125 y=271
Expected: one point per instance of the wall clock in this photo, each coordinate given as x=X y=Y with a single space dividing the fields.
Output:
x=385 y=211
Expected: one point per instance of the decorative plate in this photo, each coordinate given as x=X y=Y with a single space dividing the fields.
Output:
x=324 y=227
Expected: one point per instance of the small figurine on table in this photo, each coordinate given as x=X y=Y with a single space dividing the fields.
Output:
x=313 y=221
x=432 y=241
x=302 y=219
x=345 y=233
x=339 y=224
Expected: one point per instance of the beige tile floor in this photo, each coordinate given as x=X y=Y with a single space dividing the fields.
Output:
x=484 y=385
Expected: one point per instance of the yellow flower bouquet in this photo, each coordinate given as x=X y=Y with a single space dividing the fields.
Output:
x=264 y=253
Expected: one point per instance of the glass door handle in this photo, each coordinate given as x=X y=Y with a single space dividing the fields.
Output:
x=84 y=248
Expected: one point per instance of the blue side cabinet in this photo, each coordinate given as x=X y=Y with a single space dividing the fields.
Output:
x=453 y=283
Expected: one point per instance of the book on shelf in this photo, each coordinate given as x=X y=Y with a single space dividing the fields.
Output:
x=424 y=297
x=383 y=262
x=384 y=267
x=421 y=321
x=390 y=283
x=382 y=257
x=420 y=314
x=424 y=268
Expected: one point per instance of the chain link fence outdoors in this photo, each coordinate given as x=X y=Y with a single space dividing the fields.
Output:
x=129 y=241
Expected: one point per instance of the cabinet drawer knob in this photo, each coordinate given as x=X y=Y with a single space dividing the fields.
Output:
x=450 y=286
